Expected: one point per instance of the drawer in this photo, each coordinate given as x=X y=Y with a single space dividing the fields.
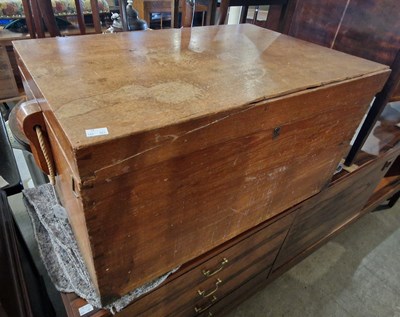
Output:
x=213 y=279
x=236 y=297
x=322 y=215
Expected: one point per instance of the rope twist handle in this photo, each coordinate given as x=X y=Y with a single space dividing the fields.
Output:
x=45 y=151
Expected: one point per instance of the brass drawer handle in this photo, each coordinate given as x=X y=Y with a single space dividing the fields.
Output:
x=208 y=273
x=203 y=293
x=199 y=310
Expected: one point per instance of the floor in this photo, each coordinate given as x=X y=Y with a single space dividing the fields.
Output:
x=356 y=274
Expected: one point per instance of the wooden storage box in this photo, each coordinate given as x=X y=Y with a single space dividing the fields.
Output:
x=204 y=133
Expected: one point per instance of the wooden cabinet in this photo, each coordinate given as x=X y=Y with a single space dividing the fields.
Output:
x=374 y=178
x=322 y=215
x=206 y=283
x=190 y=139
x=253 y=257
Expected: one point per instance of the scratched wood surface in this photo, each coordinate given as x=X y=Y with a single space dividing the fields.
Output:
x=191 y=159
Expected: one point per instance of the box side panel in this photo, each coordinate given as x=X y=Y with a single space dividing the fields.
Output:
x=68 y=190
x=206 y=183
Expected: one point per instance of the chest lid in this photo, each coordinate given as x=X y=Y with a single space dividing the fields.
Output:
x=128 y=83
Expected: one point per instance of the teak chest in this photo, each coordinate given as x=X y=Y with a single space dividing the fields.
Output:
x=204 y=133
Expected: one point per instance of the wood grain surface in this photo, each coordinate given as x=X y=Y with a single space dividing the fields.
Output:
x=160 y=78
x=211 y=131
x=366 y=28
x=8 y=86
x=320 y=216
x=245 y=259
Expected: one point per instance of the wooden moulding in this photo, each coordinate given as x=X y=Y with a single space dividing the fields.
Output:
x=175 y=177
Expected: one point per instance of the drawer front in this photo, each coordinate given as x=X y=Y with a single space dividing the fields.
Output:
x=322 y=215
x=236 y=297
x=189 y=294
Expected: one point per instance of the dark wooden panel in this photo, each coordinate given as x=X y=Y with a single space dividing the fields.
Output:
x=365 y=28
x=14 y=297
x=371 y=29
x=72 y=302
x=239 y=295
x=316 y=21
x=245 y=259
x=256 y=2
x=8 y=86
x=327 y=212
x=47 y=14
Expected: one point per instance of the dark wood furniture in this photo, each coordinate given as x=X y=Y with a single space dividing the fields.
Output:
x=23 y=293
x=276 y=11
x=147 y=7
x=251 y=260
x=216 y=157
x=40 y=18
x=365 y=28
x=8 y=85
x=14 y=299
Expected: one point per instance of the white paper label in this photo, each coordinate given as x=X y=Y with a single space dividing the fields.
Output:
x=96 y=132
x=85 y=309
x=3 y=182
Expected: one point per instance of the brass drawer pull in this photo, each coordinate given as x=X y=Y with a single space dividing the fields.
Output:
x=208 y=273
x=199 y=310
x=203 y=293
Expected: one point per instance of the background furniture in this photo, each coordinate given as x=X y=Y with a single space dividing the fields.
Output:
x=8 y=85
x=273 y=18
x=23 y=293
x=369 y=29
x=163 y=7
x=40 y=14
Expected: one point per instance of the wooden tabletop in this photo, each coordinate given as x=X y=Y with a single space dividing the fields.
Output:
x=138 y=81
